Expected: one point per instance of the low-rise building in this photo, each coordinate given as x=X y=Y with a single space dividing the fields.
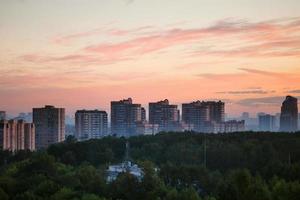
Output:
x=228 y=126
x=145 y=128
x=127 y=166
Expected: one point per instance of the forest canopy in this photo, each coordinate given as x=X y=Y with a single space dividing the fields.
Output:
x=185 y=166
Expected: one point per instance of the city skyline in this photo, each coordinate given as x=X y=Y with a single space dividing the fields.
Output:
x=128 y=119
x=71 y=114
x=80 y=55
x=144 y=100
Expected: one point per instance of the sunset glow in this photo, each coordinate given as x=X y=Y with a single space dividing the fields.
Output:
x=78 y=55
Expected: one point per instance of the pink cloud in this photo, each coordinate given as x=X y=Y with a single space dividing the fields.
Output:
x=265 y=35
x=106 y=31
x=272 y=48
x=262 y=39
x=253 y=75
x=70 y=37
x=73 y=59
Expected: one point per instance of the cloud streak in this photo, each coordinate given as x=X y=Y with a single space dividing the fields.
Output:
x=277 y=38
x=247 y=92
x=264 y=101
x=294 y=91
x=248 y=72
x=245 y=31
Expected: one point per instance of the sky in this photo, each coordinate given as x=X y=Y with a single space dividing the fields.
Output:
x=84 y=53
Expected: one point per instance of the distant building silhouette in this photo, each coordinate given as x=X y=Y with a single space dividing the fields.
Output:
x=90 y=124
x=251 y=123
x=125 y=116
x=245 y=116
x=165 y=115
x=266 y=122
x=2 y=115
x=49 y=125
x=277 y=121
x=17 y=135
x=24 y=116
x=289 y=115
x=260 y=114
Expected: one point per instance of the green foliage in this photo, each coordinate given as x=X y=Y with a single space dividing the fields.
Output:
x=3 y=195
x=240 y=166
x=91 y=197
x=63 y=193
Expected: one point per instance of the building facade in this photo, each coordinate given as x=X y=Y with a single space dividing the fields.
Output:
x=203 y=115
x=196 y=115
x=145 y=128
x=143 y=110
x=124 y=117
x=90 y=124
x=49 y=125
x=228 y=126
x=267 y=122
x=289 y=115
x=216 y=110
x=17 y=135
x=299 y=122
x=165 y=115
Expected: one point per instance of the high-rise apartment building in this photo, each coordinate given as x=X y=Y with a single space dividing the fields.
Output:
x=90 y=124
x=49 y=125
x=289 y=115
x=124 y=117
x=277 y=121
x=267 y=122
x=299 y=122
x=2 y=115
x=202 y=115
x=196 y=115
x=167 y=116
x=143 y=114
x=17 y=135
x=29 y=136
x=216 y=110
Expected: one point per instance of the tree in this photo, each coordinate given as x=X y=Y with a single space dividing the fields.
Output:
x=3 y=195
x=91 y=197
x=126 y=187
x=64 y=193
